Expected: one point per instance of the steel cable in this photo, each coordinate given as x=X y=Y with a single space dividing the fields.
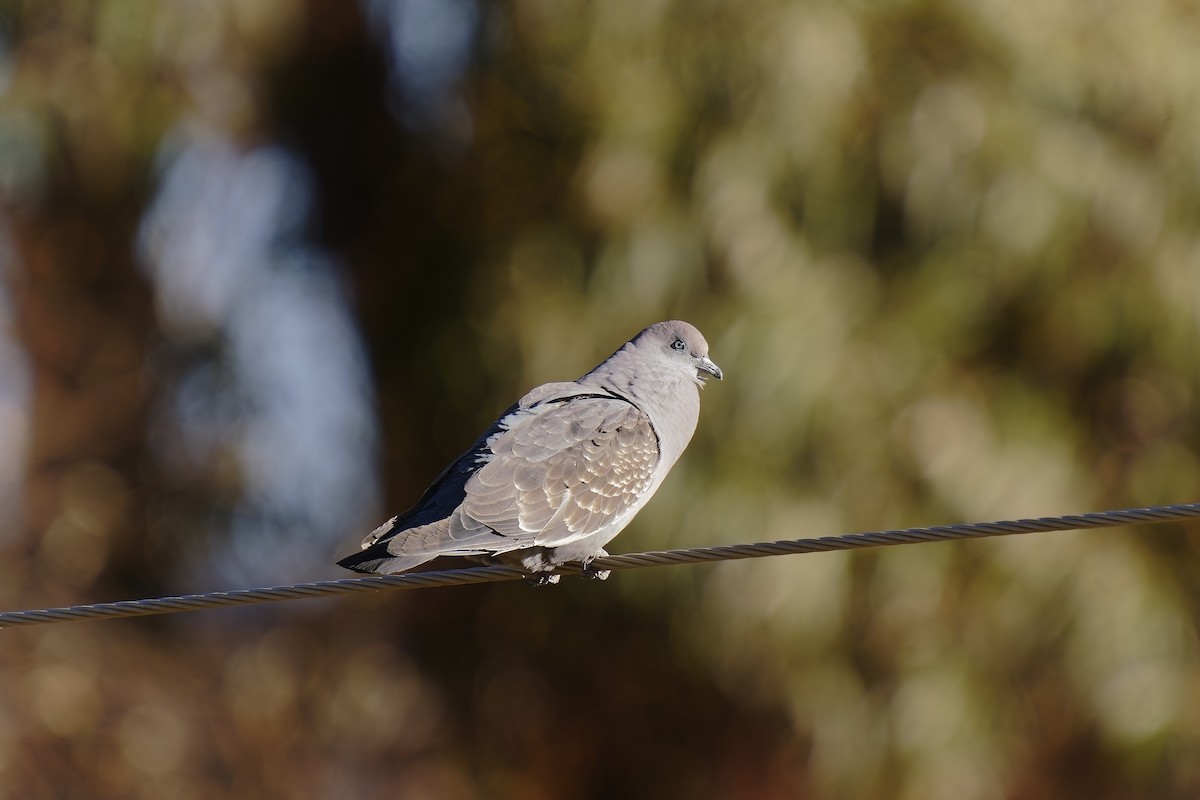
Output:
x=694 y=555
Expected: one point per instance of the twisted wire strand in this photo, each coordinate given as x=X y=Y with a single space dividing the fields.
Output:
x=693 y=555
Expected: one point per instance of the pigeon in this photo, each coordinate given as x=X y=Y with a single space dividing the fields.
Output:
x=562 y=471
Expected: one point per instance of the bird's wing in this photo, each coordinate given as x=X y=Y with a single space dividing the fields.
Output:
x=559 y=472
x=558 y=467
x=448 y=489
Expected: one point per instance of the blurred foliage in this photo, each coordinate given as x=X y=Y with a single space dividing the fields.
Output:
x=944 y=251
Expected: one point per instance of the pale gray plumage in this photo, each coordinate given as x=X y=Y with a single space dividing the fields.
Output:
x=564 y=470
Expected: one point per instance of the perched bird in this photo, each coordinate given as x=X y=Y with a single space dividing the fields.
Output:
x=561 y=472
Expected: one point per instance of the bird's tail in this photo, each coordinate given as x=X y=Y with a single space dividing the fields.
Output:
x=376 y=559
x=388 y=551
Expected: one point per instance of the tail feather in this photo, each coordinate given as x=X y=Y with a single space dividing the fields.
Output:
x=387 y=551
x=379 y=561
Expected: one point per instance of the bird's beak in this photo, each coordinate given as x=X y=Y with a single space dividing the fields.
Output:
x=705 y=363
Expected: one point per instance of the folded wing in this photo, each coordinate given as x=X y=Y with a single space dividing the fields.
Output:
x=560 y=473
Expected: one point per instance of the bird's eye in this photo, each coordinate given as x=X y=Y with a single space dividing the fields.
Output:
x=678 y=344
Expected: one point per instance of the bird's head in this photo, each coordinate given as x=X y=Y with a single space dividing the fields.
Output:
x=679 y=344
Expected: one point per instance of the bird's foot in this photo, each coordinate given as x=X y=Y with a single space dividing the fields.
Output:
x=543 y=579
x=589 y=571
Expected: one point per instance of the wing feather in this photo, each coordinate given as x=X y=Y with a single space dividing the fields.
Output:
x=556 y=468
x=572 y=467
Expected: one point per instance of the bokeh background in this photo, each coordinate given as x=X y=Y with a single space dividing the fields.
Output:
x=266 y=266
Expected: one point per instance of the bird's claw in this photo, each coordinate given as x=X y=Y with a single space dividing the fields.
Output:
x=589 y=571
x=543 y=578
